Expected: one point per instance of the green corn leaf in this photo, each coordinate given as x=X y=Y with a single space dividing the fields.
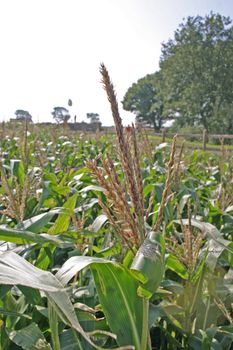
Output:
x=99 y=222
x=75 y=264
x=35 y=223
x=124 y=309
x=69 y=340
x=63 y=221
x=30 y=338
x=14 y=270
x=148 y=264
x=14 y=314
x=32 y=295
x=173 y=263
x=53 y=323
x=21 y=236
x=92 y=188
x=17 y=170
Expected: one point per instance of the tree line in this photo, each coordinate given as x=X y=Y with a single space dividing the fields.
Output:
x=60 y=114
x=194 y=83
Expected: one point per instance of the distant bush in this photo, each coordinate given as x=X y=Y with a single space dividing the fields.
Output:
x=187 y=129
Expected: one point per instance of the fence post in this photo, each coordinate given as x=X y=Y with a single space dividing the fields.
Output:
x=204 y=139
x=163 y=135
x=222 y=139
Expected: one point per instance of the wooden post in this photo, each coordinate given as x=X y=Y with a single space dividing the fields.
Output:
x=204 y=139
x=222 y=139
x=163 y=135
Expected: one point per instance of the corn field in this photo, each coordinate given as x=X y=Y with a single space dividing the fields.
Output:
x=113 y=242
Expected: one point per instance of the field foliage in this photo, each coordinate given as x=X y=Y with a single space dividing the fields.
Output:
x=113 y=242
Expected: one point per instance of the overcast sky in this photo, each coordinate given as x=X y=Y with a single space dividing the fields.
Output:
x=51 y=50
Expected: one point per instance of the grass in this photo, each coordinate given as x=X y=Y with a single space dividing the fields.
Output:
x=191 y=144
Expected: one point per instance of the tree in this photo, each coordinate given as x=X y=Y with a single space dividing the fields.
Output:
x=196 y=68
x=22 y=115
x=94 y=117
x=60 y=114
x=144 y=100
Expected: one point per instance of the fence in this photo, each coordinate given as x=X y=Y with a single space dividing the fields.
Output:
x=204 y=137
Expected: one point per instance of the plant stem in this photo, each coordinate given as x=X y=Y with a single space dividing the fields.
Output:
x=53 y=323
x=206 y=313
x=145 y=341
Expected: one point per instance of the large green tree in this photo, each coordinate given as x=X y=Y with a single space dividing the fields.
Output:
x=197 y=73
x=144 y=100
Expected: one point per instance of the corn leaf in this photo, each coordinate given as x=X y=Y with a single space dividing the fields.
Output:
x=22 y=236
x=63 y=221
x=148 y=264
x=173 y=263
x=14 y=270
x=35 y=223
x=17 y=170
x=30 y=338
x=124 y=308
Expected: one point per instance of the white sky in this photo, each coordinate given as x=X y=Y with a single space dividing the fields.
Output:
x=51 y=50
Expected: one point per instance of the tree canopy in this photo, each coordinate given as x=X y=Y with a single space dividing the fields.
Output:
x=197 y=68
x=60 y=114
x=144 y=100
x=94 y=117
x=195 y=78
x=23 y=115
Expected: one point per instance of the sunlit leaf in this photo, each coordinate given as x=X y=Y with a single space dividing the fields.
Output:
x=30 y=338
